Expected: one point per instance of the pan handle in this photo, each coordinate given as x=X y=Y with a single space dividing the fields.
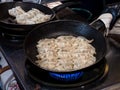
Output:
x=107 y=18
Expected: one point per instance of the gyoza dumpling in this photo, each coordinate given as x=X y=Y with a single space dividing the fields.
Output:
x=16 y=11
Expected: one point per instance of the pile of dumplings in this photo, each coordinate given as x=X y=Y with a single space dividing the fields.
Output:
x=33 y=16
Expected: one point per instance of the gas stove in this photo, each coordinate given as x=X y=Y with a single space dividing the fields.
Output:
x=110 y=75
x=103 y=77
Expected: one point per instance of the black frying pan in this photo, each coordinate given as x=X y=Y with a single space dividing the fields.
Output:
x=7 y=23
x=68 y=27
x=64 y=27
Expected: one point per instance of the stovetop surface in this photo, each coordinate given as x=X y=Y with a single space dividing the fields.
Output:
x=15 y=56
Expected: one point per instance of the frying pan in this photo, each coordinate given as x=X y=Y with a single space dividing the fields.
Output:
x=71 y=27
x=6 y=21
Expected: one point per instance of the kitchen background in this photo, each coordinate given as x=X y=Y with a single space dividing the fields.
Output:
x=8 y=81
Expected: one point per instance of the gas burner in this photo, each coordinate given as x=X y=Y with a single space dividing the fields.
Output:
x=94 y=75
x=66 y=77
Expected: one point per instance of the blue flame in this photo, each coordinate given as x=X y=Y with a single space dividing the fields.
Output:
x=66 y=77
